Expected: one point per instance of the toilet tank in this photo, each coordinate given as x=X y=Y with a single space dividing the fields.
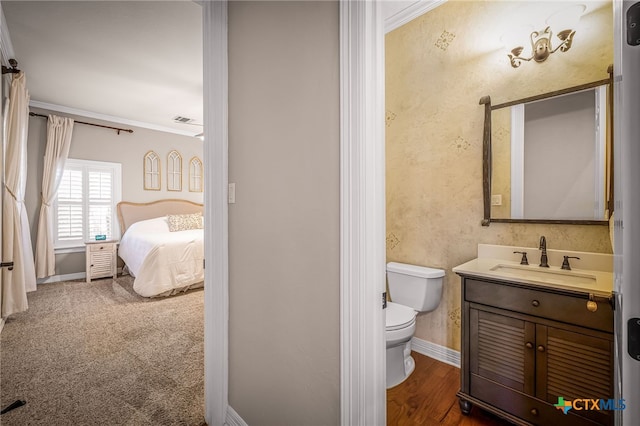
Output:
x=418 y=287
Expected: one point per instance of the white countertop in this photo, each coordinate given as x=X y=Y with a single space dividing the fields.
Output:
x=499 y=262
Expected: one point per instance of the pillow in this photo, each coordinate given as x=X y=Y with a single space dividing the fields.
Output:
x=185 y=222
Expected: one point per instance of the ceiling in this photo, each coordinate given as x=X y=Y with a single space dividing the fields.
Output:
x=132 y=62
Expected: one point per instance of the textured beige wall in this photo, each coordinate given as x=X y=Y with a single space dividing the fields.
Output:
x=284 y=233
x=437 y=68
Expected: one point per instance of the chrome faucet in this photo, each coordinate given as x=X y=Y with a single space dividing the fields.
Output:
x=543 y=256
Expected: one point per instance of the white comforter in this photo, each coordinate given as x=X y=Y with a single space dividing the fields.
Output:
x=162 y=261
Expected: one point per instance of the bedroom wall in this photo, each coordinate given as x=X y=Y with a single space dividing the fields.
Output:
x=99 y=144
x=284 y=229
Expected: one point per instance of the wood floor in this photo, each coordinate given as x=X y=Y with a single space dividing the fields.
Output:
x=428 y=397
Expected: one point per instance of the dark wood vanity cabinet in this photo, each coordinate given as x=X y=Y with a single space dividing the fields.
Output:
x=524 y=346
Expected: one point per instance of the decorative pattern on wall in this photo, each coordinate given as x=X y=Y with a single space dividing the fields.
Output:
x=389 y=117
x=434 y=178
x=460 y=144
x=174 y=171
x=152 y=174
x=195 y=175
x=454 y=316
x=392 y=241
x=445 y=39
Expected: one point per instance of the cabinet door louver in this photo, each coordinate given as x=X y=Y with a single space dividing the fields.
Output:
x=499 y=343
x=577 y=366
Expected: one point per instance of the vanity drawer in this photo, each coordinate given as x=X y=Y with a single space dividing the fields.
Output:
x=558 y=307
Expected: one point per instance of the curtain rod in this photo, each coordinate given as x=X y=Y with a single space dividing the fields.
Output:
x=117 y=129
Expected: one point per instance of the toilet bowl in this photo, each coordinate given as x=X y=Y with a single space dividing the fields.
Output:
x=413 y=289
x=401 y=325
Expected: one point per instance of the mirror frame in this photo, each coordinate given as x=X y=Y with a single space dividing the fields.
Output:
x=486 y=152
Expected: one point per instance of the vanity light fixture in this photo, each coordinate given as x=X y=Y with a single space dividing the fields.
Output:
x=541 y=45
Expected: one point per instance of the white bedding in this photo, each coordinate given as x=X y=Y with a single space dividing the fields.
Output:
x=162 y=262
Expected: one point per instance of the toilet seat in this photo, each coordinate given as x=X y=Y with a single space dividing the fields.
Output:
x=399 y=316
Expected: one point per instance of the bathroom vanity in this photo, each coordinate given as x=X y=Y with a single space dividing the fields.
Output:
x=532 y=335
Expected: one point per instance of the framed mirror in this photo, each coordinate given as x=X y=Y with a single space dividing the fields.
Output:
x=548 y=158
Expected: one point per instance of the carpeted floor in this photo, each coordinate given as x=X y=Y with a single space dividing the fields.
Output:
x=99 y=354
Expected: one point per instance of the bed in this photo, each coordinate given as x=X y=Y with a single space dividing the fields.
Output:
x=162 y=246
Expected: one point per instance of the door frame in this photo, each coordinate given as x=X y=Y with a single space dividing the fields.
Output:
x=627 y=208
x=216 y=241
x=362 y=214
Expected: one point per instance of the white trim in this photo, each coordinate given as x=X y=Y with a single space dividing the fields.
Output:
x=627 y=208
x=234 y=419
x=600 y=151
x=362 y=215
x=517 y=161
x=435 y=351
x=63 y=277
x=68 y=277
x=73 y=249
x=110 y=118
x=6 y=46
x=216 y=177
x=410 y=13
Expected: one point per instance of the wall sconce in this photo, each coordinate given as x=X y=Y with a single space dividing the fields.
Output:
x=541 y=46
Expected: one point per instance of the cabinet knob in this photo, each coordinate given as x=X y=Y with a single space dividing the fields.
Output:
x=535 y=303
x=540 y=348
x=534 y=411
x=529 y=345
x=592 y=306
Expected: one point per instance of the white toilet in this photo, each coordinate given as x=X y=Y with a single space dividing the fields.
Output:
x=413 y=289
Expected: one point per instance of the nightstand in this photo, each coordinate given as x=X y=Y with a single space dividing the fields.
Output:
x=102 y=259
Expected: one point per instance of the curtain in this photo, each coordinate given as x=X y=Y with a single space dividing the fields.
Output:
x=16 y=239
x=59 y=132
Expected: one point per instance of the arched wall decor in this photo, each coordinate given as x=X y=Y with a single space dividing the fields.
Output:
x=152 y=171
x=195 y=175
x=174 y=171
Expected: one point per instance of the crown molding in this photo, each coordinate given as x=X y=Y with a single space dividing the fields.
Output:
x=410 y=13
x=110 y=118
x=6 y=47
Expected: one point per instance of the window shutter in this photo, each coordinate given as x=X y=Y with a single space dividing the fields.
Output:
x=86 y=202
x=100 y=202
x=69 y=211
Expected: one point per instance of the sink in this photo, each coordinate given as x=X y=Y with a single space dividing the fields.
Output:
x=549 y=276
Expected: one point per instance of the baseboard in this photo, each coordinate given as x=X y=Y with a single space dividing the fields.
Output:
x=2 y=321
x=66 y=277
x=435 y=351
x=233 y=418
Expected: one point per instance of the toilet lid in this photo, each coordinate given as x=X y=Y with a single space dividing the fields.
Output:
x=399 y=316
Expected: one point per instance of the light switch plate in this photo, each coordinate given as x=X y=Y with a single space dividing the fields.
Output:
x=232 y=193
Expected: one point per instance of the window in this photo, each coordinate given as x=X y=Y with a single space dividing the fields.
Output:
x=85 y=204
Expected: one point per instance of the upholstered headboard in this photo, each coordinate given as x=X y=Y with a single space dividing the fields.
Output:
x=130 y=213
